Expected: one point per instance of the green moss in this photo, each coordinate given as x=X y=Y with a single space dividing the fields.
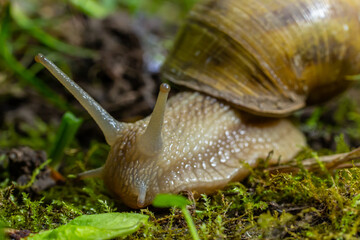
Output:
x=293 y=206
x=38 y=135
x=58 y=205
x=54 y=207
x=286 y=205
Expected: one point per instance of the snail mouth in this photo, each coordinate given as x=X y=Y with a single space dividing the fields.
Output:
x=141 y=197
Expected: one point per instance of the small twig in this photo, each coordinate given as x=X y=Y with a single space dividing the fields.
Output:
x=331 y=162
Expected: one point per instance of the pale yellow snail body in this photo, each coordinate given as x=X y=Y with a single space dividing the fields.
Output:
x=200 y=143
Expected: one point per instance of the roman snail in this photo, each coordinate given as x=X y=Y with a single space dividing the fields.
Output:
x=241 y=58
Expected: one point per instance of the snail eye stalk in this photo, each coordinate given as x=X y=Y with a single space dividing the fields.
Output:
x=108 y=125
x=150 y=143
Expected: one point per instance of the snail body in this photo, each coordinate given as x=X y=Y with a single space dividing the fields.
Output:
x=200 y=142
x=205 y=146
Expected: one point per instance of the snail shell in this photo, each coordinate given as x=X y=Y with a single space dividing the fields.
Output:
x=268 y=57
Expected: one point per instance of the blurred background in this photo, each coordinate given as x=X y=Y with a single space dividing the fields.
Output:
x=113 y=49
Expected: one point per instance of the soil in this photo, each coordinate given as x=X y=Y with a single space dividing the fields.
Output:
x=21 y=163
x=118 y=78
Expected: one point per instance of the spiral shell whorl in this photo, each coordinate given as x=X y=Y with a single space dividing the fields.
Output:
x=268 y=57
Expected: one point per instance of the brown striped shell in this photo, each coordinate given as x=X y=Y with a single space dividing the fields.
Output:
x=269 y=57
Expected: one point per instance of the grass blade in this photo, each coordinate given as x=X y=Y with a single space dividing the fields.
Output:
x=25 y=23
x=171 y=200
x=26 y=76
x=64 y=136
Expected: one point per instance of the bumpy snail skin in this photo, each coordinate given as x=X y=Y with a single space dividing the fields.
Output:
x=205 y=144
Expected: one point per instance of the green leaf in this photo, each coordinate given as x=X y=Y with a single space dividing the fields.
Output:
x=99 y=226
x=170 y=200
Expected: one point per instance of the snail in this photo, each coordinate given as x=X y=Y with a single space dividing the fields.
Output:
x=249 y=64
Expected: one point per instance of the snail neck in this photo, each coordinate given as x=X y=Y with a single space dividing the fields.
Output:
x=150 y=142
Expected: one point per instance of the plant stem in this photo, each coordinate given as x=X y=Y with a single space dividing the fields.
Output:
x=190 y=223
